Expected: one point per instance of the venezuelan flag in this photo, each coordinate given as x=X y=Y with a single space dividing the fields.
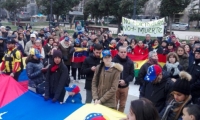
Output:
x=79 y=55
x=17 y=103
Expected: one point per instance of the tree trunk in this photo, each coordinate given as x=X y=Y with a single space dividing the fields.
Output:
x=119 y=24
x=57 y=17
x=170 y=24
x=72 y=21
x=96 y=19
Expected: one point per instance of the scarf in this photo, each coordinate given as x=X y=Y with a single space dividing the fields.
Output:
x=63 y=44
x=54 y=68
x=152 y=61
x=174 y=66
x=38 y=47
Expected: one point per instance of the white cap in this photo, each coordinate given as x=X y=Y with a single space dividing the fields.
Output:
x=120 y=34
x=3 y=27
x=33 y=35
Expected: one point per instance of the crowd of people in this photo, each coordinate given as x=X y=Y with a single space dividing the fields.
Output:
x=171 y=92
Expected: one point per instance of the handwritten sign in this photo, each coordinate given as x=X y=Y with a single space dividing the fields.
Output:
x=133 y=27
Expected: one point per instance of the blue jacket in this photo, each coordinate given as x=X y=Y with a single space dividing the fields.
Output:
x=34 y=73
x=74 y=99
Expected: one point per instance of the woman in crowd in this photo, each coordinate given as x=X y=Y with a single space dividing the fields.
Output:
x=171 y=47
x=22 y=40
x=105 y=81
x=66 y=48
x=156 y=47
x=172 y=66
x=142 y=109
x=187 y=48
x=179 y=99
x=38 y=45
x=48 y=46
x=133 y=43
x=34 y=69
x=164 y=46
x=140 y=49
x=183 y=58
x=56 y=79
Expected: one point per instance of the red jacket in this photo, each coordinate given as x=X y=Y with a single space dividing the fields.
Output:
x=140 y=51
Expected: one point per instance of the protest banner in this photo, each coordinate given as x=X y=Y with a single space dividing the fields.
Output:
x=134 y=27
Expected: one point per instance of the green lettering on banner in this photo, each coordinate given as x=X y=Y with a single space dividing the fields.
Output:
x=128 y=28
x=126 y=21
x=150 y=30
x=141 y=30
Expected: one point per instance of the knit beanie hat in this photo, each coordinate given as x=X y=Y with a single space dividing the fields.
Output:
x=182 y=84
x=57 y=53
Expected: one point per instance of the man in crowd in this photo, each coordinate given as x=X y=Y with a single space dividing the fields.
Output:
x=175 y=41
x=88 y=68
x=194 y=70
x=30 y=43
x=121 y=42
x=127 y=76
x=148 y=41
x=156 y=87
x=191 y=54
x=11 y=62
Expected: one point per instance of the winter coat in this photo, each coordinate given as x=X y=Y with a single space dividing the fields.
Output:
x=2 y=50
x=158 y=49
x=66 y=52
x=56 y=82
x=86 y=69
x=142 y=73
x=168 y=114
x=172 y=71
x=75 y=99
x=34 y=73
x=184 y=61
x=149 y=43
x=20 y=48
x=191 y=58
x=128 y=73
x=157 y=93
x=105 y=44
x=47 y=48
x=194 y=70
x=106 y=89
x=140 y=51
x=29 y=44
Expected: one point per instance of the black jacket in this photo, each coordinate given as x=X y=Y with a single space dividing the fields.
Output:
x=105 y=44
x=194 y=70
x=157 y=93
x=172 y=71
x=2 y=50
x=86 y=69
x=56 y=82
x=47 y=49
x=128 y=73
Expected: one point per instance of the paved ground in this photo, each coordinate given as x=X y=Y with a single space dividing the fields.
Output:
x=133 y=93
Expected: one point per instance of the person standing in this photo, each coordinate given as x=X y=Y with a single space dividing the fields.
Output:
x=194 y=70
x=105 y=81
x=88 y=68
x=29 y=44
x=126 y=76
x=56 y=79
x=11 y=62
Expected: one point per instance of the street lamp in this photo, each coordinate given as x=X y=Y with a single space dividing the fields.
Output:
x=134 y=9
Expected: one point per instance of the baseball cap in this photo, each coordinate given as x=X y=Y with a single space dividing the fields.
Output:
x=119 y=34
x=106 y=53
x=35 y=52
x=95 y=116
x=66 y=38
x=33 y=35
x=152 y=72
x=74 y=88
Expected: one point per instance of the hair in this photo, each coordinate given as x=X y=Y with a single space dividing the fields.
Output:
x=188 y=46
x=29 y=57
x=133 y=39
x=122 y=47
x=113 y=41
x=151 y=54
x=174 y=55
x=50 y=37
x=181 y=48
x=20 y=34
x=99 y=73
x=98 y=47
x=144 y=110
x=157 y=41
x=194 y=110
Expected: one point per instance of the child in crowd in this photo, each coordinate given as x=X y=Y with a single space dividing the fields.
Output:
x=180 y=98
x=74 y=95
x=191 y=112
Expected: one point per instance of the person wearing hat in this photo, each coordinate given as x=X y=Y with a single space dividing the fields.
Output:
x=34 y=69
x=30 y=43
x=2 y=47
x=171 y=47
x=180 y=98
x=38 y=45
x=74 y=94
x=156 y=87
x=12 y=60
x=67 y=51
x=105 y=81
x=57 y=78
x=76 y=65
x=194 y=70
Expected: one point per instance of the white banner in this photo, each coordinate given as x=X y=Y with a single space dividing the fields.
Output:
x=133 y=27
